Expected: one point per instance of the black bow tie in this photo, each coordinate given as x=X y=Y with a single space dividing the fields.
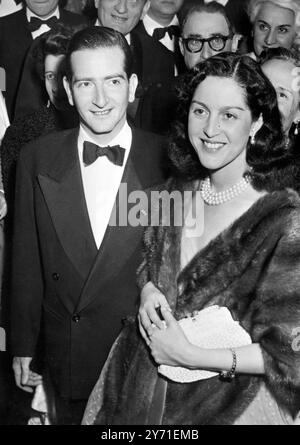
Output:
x=159 y=33
x=92 y=151
x=35 y=23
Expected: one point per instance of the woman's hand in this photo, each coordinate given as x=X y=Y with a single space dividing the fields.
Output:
x=151 y=300
x=170 y=345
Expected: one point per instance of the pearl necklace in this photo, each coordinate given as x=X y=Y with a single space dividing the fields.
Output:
x=216 y=198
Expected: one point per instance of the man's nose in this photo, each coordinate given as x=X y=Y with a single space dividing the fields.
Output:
x=122 y=6
x=271 y=38
x=206 y=51
x=100 y=98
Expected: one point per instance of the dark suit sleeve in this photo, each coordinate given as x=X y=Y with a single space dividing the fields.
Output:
x=27 y=280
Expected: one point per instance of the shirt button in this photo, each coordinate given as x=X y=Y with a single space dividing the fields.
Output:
x=55 y=276
x=76 y=318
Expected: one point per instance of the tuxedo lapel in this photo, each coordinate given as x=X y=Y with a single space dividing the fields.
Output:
x=119 y=241
x=63 y=192
x=24 y=34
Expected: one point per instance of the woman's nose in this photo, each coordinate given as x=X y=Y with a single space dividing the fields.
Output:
x=212 y=127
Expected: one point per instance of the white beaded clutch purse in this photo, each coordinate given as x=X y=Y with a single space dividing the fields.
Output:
x=211 y=328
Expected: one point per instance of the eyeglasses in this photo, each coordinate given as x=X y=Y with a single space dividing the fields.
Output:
x=216 y=43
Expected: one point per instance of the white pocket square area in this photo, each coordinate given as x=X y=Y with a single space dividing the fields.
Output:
x=211 y=328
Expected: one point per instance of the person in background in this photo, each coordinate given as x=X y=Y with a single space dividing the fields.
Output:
x=205 y=31
x=236 y=10
x=282 y=67
x=275 y=23
x=56 y=115
x=17 y=32
x=241 y=258
x=161 y=23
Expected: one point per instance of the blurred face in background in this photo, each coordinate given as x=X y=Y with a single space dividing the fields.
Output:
x=121 y=15
x=281 y=74
x=164 y=9
x=273 y=27
x=203 y=25
x=54 y=72
x=42 y=8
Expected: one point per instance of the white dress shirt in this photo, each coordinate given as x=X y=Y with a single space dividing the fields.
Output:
x=222 y=2
x=151 y=25
x=101 y=181
x=43 y=28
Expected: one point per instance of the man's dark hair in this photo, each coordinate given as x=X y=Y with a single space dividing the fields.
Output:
x=200 y=6
x=96 y=37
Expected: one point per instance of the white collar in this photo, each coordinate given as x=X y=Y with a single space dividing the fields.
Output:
x=30 y=14
x=123 y=138
x=222 y=2
x=151 y=25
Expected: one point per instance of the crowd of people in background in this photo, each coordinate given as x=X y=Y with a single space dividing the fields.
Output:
x=178 y=95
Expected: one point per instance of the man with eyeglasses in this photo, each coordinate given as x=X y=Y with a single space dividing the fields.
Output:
x=205 y=31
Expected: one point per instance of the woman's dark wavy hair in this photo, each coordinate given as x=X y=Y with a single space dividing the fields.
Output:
x=268 y=157
x=54 y=42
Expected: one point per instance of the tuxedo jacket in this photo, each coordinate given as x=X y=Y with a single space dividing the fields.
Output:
x=158 y=62
x=15 y=40
x=65 y=290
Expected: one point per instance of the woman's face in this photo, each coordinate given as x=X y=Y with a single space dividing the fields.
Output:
x=220 y=123
x=283 y=76
x=53 y=80
x=274 y=26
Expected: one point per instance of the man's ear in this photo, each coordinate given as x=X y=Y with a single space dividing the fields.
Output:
x=67 y=88
x=133 y=83
x=236 y=39
x=145 y=9
x=96 y=4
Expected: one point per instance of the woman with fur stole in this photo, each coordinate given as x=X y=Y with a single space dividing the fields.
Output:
x=227 y=148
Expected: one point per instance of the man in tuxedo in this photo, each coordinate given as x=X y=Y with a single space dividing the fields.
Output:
x=74 y=272
x=17 y=32
x=151 y=59
x=206 y=30
x=161 y=23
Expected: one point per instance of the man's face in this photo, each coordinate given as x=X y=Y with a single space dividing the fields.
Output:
x=100 y=90
x=274 y=26
x=121 y=15
x=281 y=73
x=165 y=7
x=203 y=25
x=42 y=8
